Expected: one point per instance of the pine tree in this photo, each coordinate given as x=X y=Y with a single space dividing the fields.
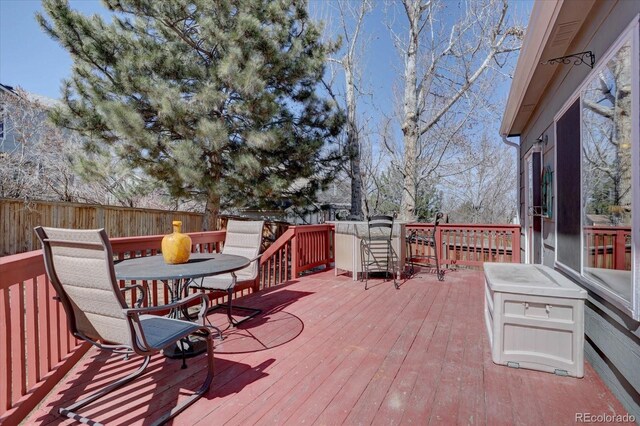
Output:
x=215 y=99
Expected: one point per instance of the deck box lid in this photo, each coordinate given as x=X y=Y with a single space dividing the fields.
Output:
x=536 y=280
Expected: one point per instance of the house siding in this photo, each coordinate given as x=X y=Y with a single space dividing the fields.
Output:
x=612 y=338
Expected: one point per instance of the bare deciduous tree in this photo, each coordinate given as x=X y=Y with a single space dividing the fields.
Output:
x=347 y=59
x=35 y=162
x=40 y=161
x=482 y=190
x=443 y=64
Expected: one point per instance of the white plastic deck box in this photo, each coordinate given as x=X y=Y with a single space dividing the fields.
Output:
x=535 y=318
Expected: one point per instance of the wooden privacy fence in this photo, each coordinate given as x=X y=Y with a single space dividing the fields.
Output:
x=467 y=244
x=18 y=218
x=37 y=349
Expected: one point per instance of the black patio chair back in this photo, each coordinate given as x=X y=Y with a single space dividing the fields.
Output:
x=376 y=250
x=380 y=227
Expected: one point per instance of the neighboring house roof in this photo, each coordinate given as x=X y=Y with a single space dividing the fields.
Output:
x=5 y=88
x=598 y=219
x=42 y=100
x=338 y=193
x=552 y=27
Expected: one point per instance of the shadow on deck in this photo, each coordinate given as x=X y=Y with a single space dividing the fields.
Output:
x=326 y=351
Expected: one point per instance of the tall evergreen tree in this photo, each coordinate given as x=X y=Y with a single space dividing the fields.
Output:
x=214 y=98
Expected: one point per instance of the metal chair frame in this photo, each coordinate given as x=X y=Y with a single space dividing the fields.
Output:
x=377 y=250
x=229 y=306
x=135 y=318
x=430 y=240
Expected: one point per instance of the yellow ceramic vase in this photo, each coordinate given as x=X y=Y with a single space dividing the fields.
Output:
x=176 y=247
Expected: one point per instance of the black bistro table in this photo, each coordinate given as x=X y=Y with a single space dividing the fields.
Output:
x=178 y=277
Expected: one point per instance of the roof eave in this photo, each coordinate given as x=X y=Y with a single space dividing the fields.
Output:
x=541 y=22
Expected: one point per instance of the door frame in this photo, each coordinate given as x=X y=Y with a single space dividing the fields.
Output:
x=532 y=175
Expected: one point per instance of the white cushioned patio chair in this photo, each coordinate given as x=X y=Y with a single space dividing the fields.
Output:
x=79 y=264
x=243 y=238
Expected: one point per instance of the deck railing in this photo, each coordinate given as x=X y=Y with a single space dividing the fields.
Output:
x=608 y=247
x=466 y=244
x=37 y=348
x=299 y=249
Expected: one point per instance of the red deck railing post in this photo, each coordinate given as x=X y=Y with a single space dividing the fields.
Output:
x=438 y=247
x=471 y=244
x=515 y=245
x=294 y=255
x=327 y=246
x=620 y=248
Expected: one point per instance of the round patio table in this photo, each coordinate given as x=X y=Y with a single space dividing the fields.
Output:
x=199 y=265
x=177 y=277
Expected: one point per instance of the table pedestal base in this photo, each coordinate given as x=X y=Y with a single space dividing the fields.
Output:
x=195 y=346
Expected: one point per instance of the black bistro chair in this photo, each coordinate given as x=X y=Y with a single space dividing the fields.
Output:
x=376 y=250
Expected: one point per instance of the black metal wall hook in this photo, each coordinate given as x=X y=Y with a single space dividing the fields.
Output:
x=576 y=58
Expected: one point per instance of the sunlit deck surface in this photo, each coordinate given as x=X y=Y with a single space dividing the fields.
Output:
x=325 y=351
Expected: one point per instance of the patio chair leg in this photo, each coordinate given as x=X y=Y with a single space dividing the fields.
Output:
x=232 y=321
x=70 y=410
x=364 y=267
x=197 y=394
x=182 y=351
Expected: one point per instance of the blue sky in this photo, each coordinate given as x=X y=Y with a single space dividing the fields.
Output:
x=33 y=61
x=28 y=57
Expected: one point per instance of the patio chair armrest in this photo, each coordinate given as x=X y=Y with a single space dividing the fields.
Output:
x=141 y=297
x=135 y=312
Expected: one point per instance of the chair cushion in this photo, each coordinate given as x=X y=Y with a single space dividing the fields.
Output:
x=223 y=282
x=161 y=332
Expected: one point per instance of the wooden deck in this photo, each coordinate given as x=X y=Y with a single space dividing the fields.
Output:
x=326 y=351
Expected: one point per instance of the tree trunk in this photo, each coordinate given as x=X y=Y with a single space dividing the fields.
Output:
x=410 y=122
x=211 y=213
x=353 y=144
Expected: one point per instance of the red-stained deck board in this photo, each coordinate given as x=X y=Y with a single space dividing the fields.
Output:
x=309 y=352
x=225 y=401
x=397 y=397
x=421 y=398
x=471 y=406
x=447 y=397
x=325 y=351
x=360 y=395
x=354 y=351
x=344 y=376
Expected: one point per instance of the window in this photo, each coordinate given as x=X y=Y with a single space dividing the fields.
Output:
x=598 y=185
x=607 y=196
